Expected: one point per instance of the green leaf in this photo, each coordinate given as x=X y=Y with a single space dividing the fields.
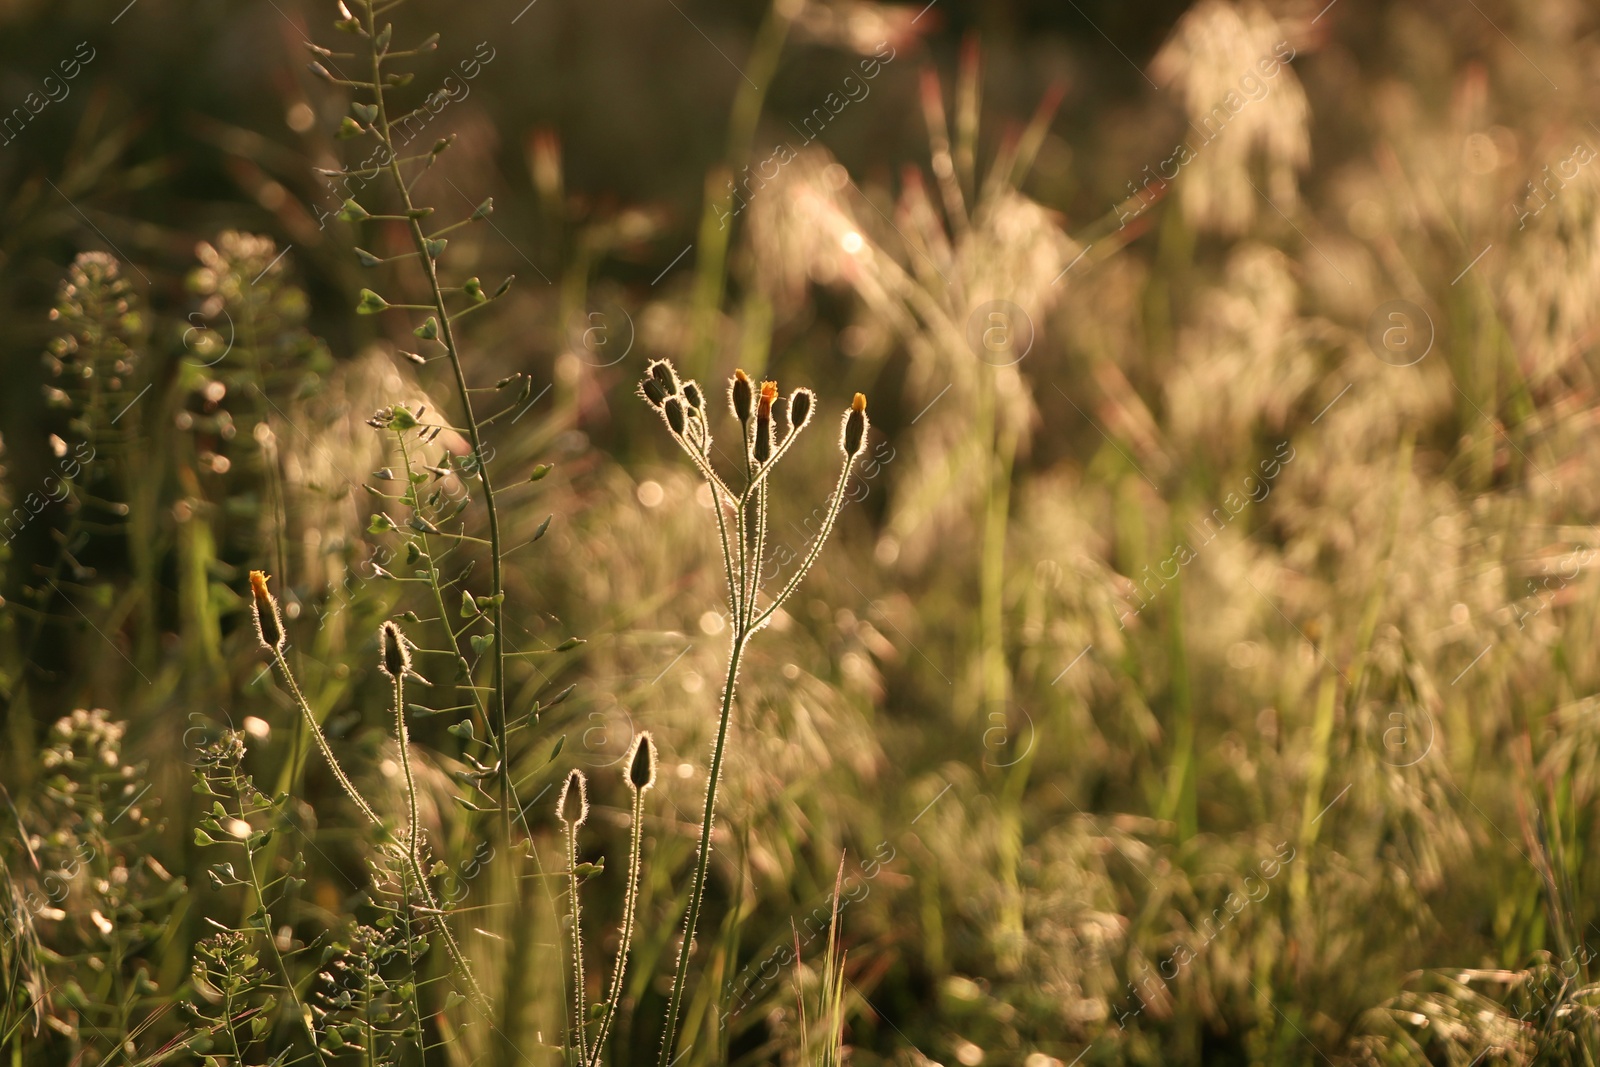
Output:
x=352 y=212
x=556 y=748
x=543 y=526
x=505 y=286
x=539 y=472
x=370 y=303
x=564 y=694
x=380 y=523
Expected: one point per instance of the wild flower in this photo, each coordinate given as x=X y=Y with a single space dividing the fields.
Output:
x=743 y=548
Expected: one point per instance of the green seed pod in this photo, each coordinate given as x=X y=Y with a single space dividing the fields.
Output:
x=642 y=763
x=572 y=806
x=740 y=396
x=855 y=427
x=396 y=655
x=673 y=409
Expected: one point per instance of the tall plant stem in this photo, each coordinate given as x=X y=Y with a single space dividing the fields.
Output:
x=447 y=337
x=625 y=940
x=703 y=863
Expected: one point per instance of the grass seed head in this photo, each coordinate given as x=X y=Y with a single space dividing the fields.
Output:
x=269 y=620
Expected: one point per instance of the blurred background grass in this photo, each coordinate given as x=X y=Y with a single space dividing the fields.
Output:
x=1218 y=578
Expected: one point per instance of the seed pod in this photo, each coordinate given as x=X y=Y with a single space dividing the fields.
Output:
x=780 y=419
x=691 y=393
x=652 y=391
x=572 y=806
x=269 y=621
x=672 y=407
x=663 y=373
x=801 y=403
x=739 y=396
x=855 y=426
x=396 y=654
x=642 y=763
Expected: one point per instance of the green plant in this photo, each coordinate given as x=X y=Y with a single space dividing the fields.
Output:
x=769 y=425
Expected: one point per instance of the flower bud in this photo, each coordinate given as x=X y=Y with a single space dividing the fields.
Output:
x=642 y=763
x=691 y=393
x=739 y=396
x=762 y=448
x=801 y=402
x=664 y=375
x=396 y=653
x=652 y=391
x=269 y=621
x=672 y=408
x=855 y=427
x=572 y=806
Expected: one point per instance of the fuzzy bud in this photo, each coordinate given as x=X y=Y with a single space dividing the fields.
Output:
x=672 y=408
x=664 y=375
x=652 y=391
x=801 y=403
x=572 y=806
x=739 y=395
x=642 y=763
x=855 y=427
x=761 y=450
x=269 y=621
x=691 y=393
x=396 y=654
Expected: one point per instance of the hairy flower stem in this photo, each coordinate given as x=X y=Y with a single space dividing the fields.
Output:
x=447 y=338
x=423 y=889
x=625 y=937
x=580 y=1009
x=703 y=863
x=317 y=735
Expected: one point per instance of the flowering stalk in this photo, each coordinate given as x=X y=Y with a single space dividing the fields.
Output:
x=769 y=430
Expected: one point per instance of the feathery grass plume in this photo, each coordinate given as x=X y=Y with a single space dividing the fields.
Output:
x=742 y=550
